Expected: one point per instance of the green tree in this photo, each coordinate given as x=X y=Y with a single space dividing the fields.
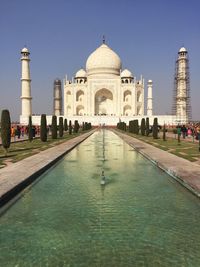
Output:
x=30 y=129
x=60 y=127
x=143 y=126
x=155 y=128
x=137 y=127
x=164 y=133
x=147 y=127
x=43 y=128
x=83 y=126
x=5 y=130
x=54 y=129
x=76 y=126
x=70 y=127
x=131 y=126
x=65 y=125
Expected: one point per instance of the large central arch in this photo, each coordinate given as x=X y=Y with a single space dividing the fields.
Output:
x=104 y=102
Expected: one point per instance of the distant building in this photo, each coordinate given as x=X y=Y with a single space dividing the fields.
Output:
x=102 y=93
x=103 y=89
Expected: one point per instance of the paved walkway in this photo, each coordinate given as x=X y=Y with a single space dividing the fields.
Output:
x=17 y=176
x=184 y=171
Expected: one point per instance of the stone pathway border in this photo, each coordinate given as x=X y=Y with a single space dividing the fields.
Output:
x=185 y=172
x=16 y=177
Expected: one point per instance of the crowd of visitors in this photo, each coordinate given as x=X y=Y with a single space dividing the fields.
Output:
x=20 y=131
x=191 y=130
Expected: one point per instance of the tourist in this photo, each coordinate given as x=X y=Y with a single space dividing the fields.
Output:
x=184 y=131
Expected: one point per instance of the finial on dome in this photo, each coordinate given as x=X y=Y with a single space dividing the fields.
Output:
x=104 y=39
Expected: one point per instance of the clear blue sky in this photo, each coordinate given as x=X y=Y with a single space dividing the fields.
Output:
x=61 y=34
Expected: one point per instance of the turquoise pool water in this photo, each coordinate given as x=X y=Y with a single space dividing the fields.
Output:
x=142 y=217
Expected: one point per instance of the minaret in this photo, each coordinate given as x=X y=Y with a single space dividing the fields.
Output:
x=149 y=99
x=26 y=84
x=181 y=107
x=57 y=97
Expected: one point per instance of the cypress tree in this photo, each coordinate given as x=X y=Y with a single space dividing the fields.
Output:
x=134 y=126
x=143 y=126
x=60 y=127
x=5 y=129
x=43 y=128
x=147 y=127
x=76 y=126
x=155 y=128
x=54 y=127
x=131 y=126
x=30 y=129
x=65 y=125
x=164 y=133
x=83 y=127
x=70 y=127
x=137 y=127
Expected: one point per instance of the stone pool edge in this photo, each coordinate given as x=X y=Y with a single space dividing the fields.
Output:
x=29 y=169
x=183 y=171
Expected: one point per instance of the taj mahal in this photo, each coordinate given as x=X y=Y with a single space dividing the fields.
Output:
x=102 y=93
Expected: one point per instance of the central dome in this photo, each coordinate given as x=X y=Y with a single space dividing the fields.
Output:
x=103 y=61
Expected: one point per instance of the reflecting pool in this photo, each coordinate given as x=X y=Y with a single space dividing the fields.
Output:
x=141 y=217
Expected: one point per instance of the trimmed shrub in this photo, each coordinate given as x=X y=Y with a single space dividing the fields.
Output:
x=155 y=128
x=54 y=129
x=43 y=128
x=76 y=126
x=65 y=125
x=137 y=127
x=60 y=127
x=5 y=129
x=30 y=129
x=147 y=127
x=70 y=127
x=83 y=126
x=143 y=126
x=164 y=133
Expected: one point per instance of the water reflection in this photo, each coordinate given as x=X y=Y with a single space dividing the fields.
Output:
x=141 y=217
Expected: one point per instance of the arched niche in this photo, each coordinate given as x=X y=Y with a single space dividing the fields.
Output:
x=104 y=102
x=80 y=110
x=79 y=96
x=127 y=96
x=139 y=96
x=127 y=110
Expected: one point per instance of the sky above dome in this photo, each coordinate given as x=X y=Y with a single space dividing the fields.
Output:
x=60 y=35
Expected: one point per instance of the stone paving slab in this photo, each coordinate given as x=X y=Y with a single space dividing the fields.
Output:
x=184 y=171
x=17 y=176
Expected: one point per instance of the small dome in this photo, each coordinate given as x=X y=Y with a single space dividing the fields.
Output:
x=25 y=50
x=103 y=61
x=182 y=49
x=126 y=74
x=149 y=81
x=81 y=74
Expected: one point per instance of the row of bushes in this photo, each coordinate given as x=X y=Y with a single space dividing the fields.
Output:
x=144 y=127
x=60 y=128
x=55 y=129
